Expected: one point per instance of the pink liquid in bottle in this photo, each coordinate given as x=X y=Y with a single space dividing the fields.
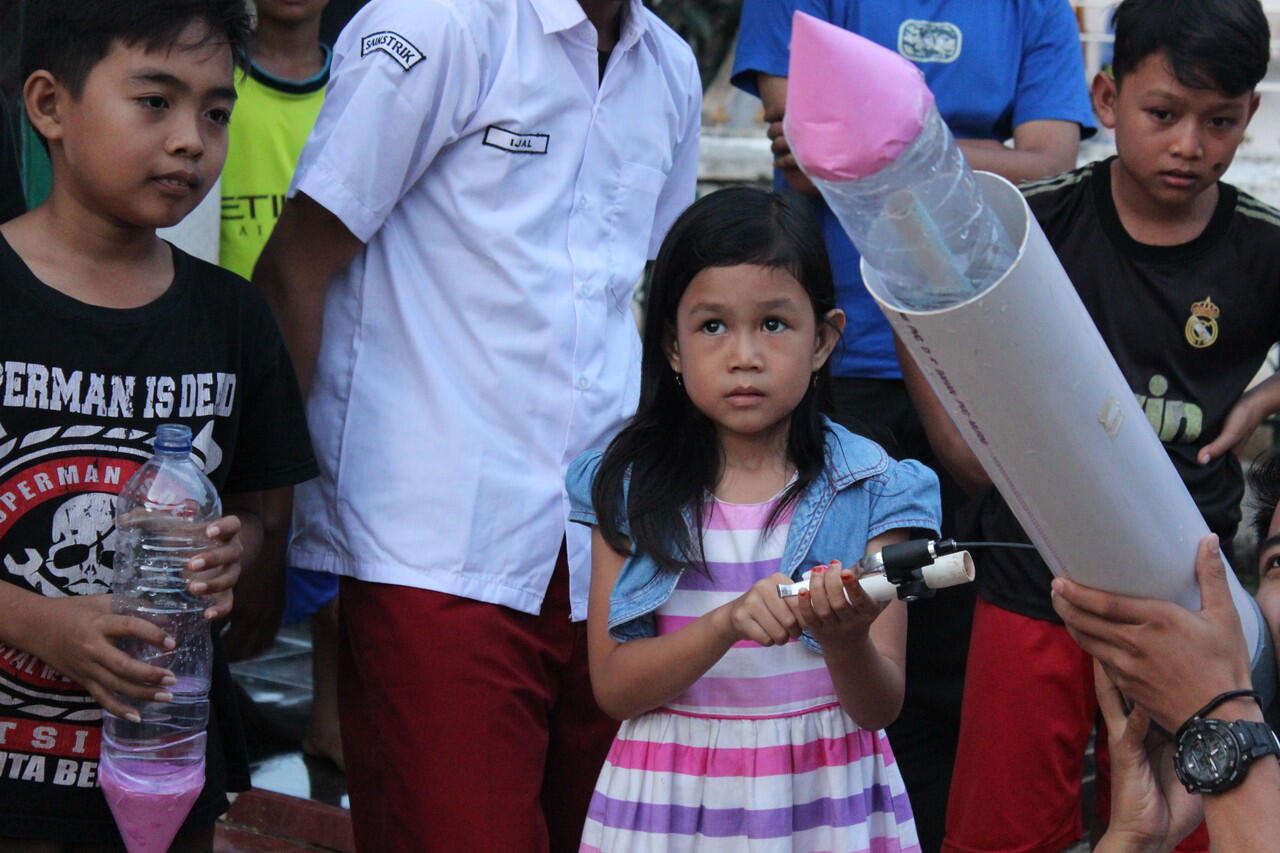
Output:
x=149 y=809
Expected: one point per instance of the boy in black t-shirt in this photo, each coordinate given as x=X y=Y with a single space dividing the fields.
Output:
x=106 y=332
x=1181 y=273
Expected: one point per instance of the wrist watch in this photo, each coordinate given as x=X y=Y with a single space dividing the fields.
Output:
x=1213 y=755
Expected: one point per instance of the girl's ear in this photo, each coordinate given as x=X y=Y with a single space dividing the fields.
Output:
x=671 y=349
x=829 y=332
x=43 y=96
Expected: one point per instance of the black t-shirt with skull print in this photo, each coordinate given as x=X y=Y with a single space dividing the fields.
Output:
x=82 y=390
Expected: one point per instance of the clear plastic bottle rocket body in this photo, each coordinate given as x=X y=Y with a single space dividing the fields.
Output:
x=152 y=769
x=905 y=195
x=161 y=516
x=922 y=223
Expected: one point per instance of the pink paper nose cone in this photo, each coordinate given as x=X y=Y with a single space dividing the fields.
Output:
x=852 y=105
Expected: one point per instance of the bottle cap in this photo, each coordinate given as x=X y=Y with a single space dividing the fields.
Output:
x=173 y=438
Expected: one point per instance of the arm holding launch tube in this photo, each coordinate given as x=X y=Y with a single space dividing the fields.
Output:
x=863 y=641
x=631 y=678
x=1162 y=656
x=1145 y=800
x=1168 y=661
x=1150 y=810
x=863 y=647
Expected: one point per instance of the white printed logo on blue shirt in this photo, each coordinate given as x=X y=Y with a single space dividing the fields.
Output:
x=929 y=41
x=393 y=45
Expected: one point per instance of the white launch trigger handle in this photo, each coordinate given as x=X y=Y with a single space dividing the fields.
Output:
x=947 y=570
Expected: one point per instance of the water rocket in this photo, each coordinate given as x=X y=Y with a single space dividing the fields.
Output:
x=1014 y=356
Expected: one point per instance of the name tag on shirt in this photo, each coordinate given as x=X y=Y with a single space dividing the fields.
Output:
x=516 y=143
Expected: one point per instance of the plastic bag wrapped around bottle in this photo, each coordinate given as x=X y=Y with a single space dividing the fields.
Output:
x=973 y=289
x=152 y=769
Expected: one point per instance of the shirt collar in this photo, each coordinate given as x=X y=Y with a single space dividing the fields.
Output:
x=561 y=15
x=851 y=457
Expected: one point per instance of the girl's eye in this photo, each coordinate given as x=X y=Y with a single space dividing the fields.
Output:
x=220 y=116
x=713 y=327
x=1271 y=561
x=153 y=102
x=773 y=324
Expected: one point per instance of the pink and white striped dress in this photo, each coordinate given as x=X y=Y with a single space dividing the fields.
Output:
x=756 y=755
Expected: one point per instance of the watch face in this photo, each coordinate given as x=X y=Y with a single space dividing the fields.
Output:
x=1209 y=753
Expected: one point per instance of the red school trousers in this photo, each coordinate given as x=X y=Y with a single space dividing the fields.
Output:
x=1029 y=707
x=466 y=726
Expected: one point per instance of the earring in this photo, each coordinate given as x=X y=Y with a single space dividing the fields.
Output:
x=679 y=379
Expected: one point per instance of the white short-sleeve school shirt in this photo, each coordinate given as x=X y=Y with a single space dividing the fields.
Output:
x=508 y=197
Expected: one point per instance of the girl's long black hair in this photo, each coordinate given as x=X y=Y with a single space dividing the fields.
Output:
x=669 y=453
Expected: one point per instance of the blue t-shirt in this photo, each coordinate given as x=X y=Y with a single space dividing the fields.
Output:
x=991 y=67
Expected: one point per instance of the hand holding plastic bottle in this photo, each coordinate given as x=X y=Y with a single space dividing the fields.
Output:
x=78 y=636
x=214 y=573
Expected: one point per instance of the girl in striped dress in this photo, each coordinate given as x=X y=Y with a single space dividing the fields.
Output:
x=751 y=722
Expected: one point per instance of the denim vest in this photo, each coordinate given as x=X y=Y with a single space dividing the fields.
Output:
x=860 y=494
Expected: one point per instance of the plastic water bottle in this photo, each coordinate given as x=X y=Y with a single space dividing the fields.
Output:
x=152 y=770
x=923 y=224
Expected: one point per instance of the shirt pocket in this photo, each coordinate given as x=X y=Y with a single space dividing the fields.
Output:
x=631 y=212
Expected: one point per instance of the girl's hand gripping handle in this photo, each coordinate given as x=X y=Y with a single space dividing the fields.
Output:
x=760 y=616
x=835 y=608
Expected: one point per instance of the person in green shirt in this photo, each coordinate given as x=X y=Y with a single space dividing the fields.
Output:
x=278 y=99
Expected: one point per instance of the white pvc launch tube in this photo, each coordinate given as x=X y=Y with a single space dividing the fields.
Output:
x=1031 y=385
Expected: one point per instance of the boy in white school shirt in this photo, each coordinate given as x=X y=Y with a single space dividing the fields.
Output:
x=453 y=276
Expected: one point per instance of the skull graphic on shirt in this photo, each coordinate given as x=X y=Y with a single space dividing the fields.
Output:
x=83 y=543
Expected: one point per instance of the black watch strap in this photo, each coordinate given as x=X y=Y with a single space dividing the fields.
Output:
x=1256 y=739
x=1215 y=702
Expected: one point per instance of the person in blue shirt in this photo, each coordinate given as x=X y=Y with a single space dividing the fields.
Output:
x=1001 y=71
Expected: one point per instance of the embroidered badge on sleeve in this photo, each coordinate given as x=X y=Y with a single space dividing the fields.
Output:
x=393 y=45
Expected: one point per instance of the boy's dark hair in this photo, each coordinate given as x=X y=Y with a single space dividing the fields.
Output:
x=1208 y=44
x=1264 y=480
x=669 y=454
x=68 y=38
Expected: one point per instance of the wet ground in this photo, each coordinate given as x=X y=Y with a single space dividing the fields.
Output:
x=279 y=683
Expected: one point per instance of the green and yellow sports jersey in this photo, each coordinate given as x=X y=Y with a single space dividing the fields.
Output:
x=270 y=124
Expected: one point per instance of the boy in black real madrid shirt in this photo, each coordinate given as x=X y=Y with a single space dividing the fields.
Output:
x=1181 y=274
x=106 y=331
